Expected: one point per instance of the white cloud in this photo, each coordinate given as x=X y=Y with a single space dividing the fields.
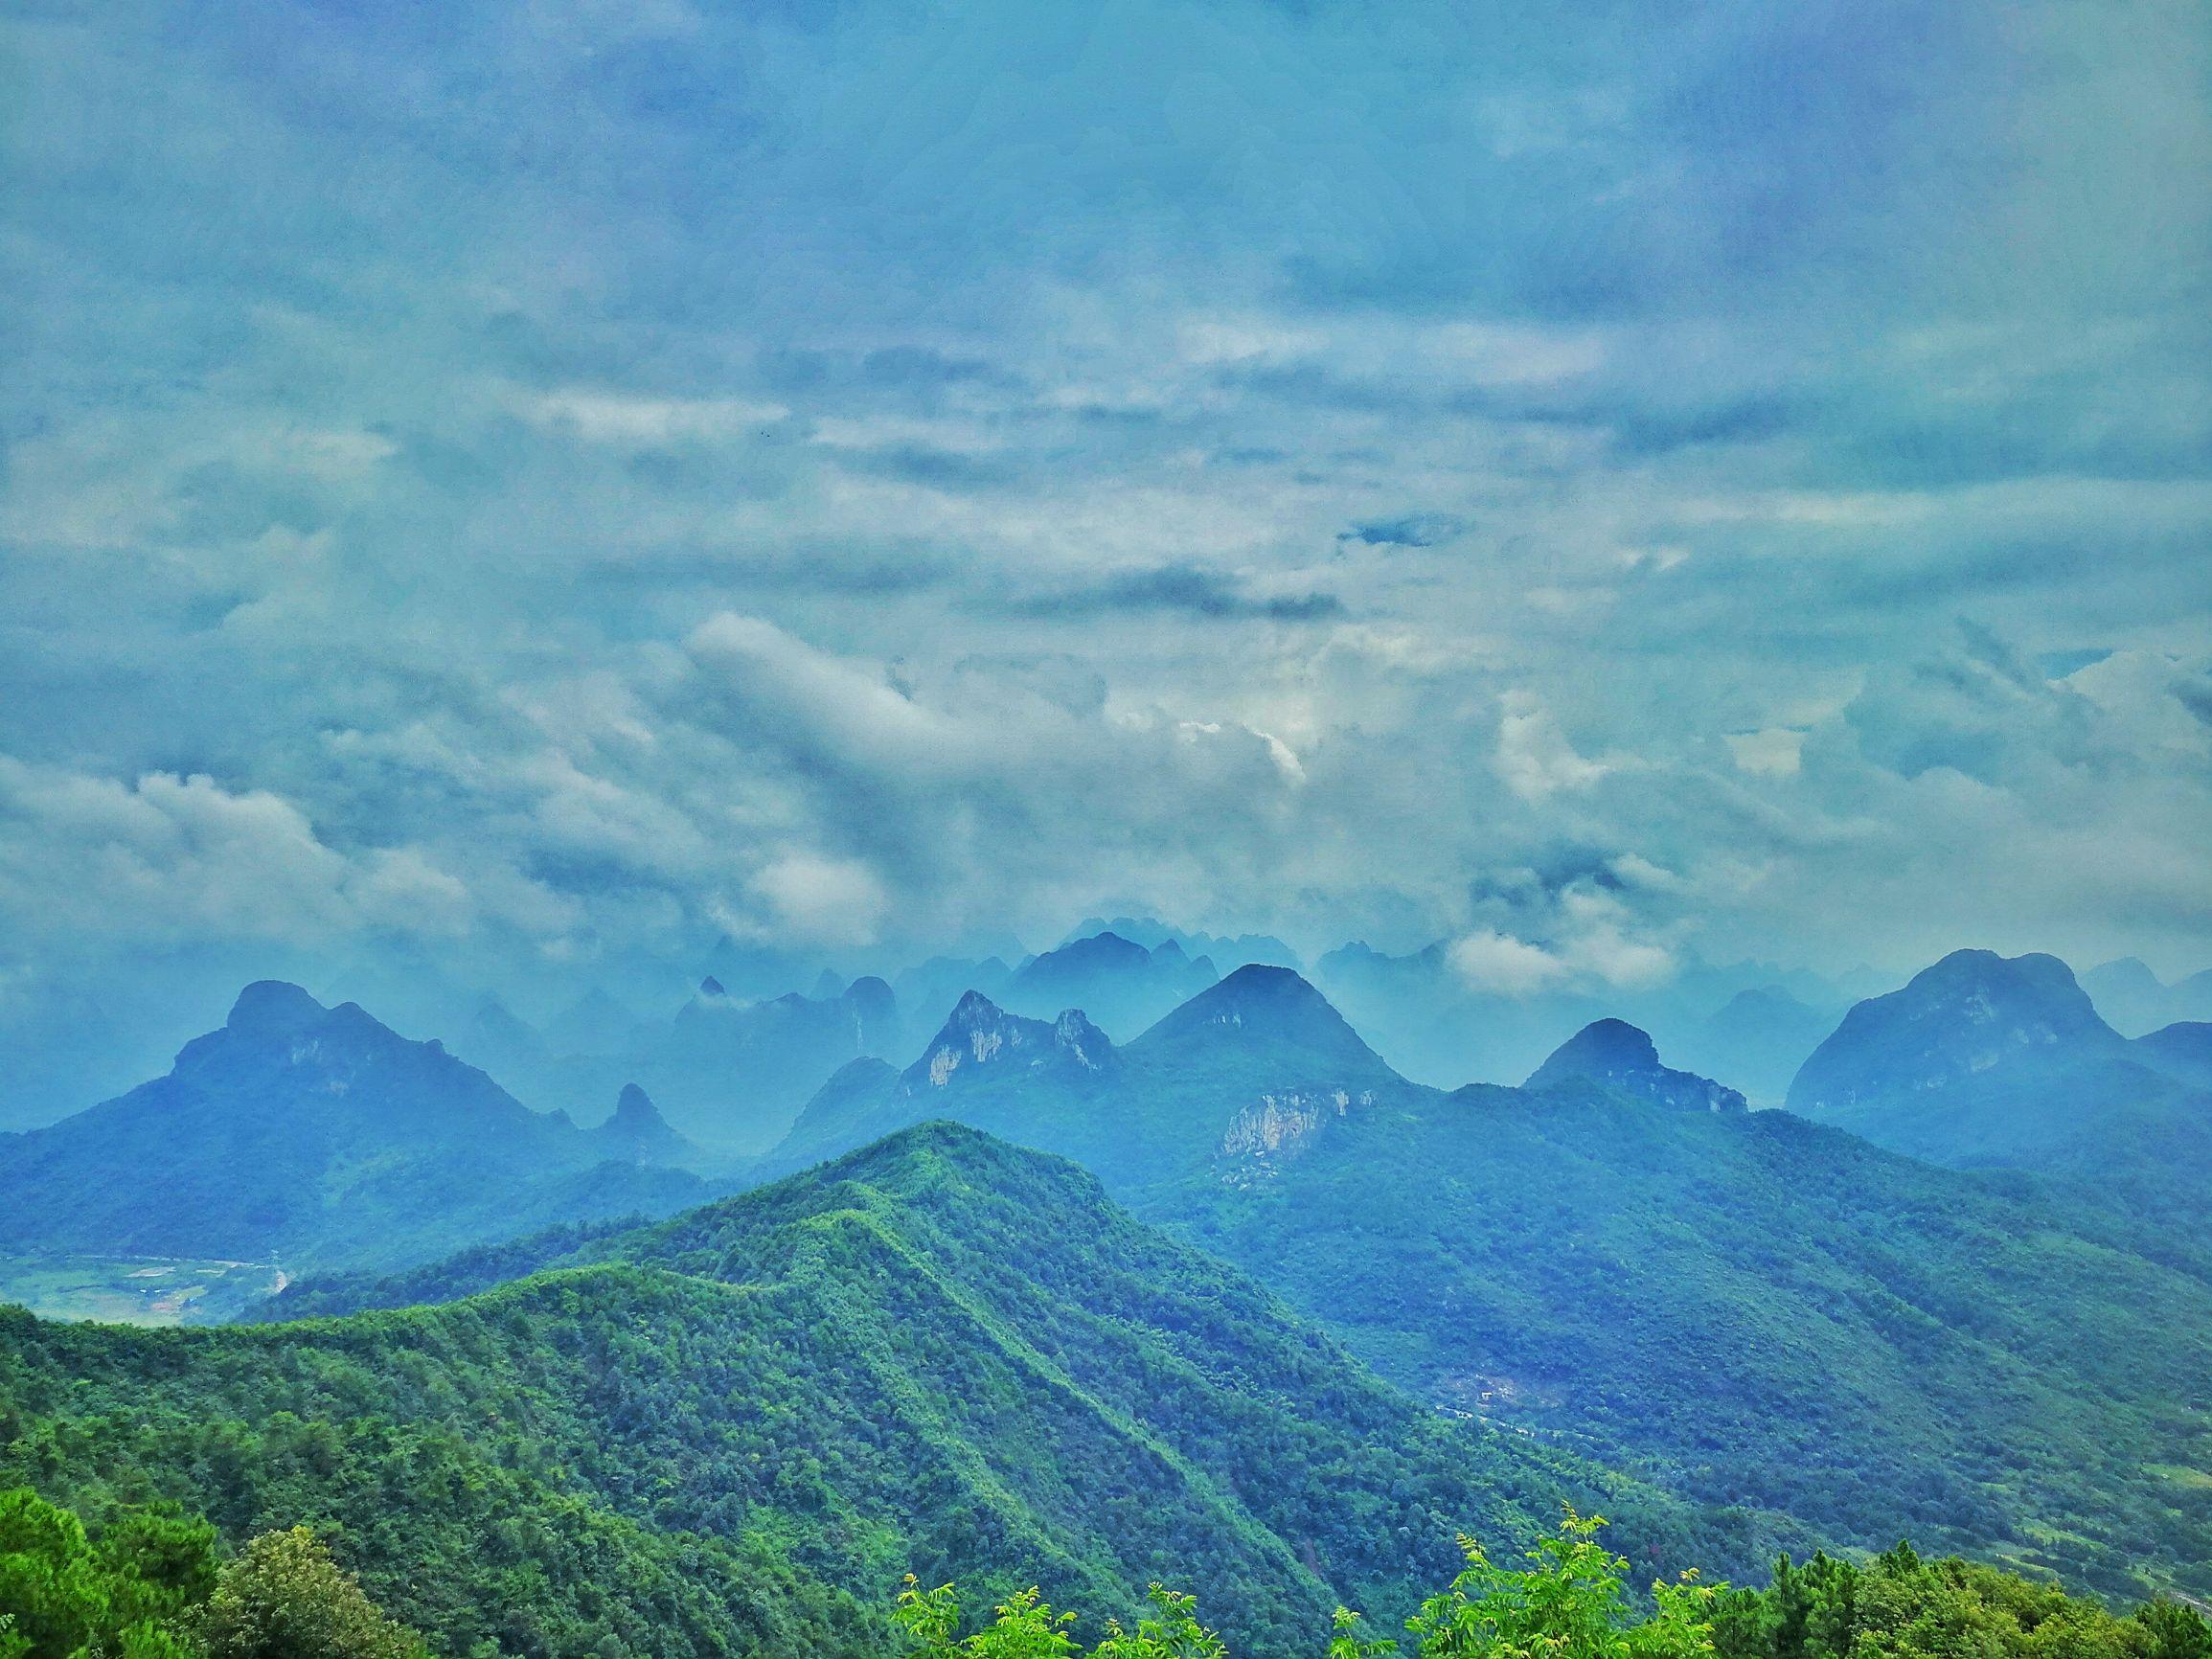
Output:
x=821 y=901
x=1502 y=965
x=1771 y=752
x=1535 y=758
x=624 y=417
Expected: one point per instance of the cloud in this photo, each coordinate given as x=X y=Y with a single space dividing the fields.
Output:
x=1416 y=530
x=1502 y=965
x=1535 y=758
x=1772 y=752
x=821 y=901
x=1197 y=593
x=162 y=860
x=610 y=495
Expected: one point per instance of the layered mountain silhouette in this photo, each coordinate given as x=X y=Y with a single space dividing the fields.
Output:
x=1771 y=1314
x=2134 y=1001
x=1611 y=1054
x=319 y=1137
x=1118 y=983
x=1227 y=953
x=1258 y=1061
x=1984 y=1061
x=941 y=1353
x=1757 y=1039
x=1750 y=1024
x=727 y=1072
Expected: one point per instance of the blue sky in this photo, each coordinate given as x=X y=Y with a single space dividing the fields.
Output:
x=543 y=485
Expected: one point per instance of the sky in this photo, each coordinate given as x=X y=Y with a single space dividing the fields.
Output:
x=537 y=488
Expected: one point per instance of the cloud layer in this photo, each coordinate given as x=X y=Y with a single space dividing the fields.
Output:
x=554 y=486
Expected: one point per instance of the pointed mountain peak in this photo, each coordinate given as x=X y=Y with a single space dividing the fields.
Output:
x=710 y=987
x=1257 y=993
x=981 y=1037
x=633 y=1107
x=978 y=1033
x=1074 y=1035
x=1266 y=1010
x=1617 y=1056
x=273 y=1007
x=973 y=1012
x=638 y=1132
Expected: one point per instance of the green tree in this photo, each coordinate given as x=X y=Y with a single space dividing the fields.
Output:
x=64 y=1594
x=2174 y=1631
x=285 y=1598
x=1025 y=1627
x=1570 y=1603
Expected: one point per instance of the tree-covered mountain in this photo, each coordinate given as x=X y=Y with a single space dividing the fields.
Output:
x=941 y=1354
x=1753 y=1308
x=1984 y=1061
x=318 y=1137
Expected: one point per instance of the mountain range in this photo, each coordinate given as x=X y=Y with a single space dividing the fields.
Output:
x=318 y=1137
x=1618 y=1259
x=2136 y=1002
x=734 y=1431
x=1814 y=1326
x=1750 y=1023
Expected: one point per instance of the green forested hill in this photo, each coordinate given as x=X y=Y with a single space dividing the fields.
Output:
x=941 y=1355
x=1758 y=1309
x=1747 y=1306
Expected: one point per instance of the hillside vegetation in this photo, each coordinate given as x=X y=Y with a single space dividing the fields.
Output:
x=737 y=1429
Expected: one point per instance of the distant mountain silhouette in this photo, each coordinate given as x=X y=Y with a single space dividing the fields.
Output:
x=317 y=1136
x=639 y=1133
x=1995 y=1062
x=1227 y=953
x=727 y=1074
x=1613 y=1055
x=1757 y=1040
x=1118 y=983
x=2136 y=1002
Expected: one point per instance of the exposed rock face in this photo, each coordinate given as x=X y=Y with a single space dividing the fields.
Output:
x=1619 y=1056
x=1074 y=1035
x=981 y=1037
x=1281 y=1126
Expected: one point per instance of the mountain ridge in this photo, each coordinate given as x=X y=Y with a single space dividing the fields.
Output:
x=315 y=1135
